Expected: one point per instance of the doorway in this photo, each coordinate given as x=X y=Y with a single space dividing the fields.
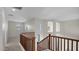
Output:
x=14 y=30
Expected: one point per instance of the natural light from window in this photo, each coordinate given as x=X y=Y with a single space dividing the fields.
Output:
x=50 y=26
x=57 y=27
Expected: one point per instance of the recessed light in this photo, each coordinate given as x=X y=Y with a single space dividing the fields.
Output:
x=13 y=9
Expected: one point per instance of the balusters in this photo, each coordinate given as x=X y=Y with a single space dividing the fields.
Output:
x=58 y=44
x=67 y=45
x=53 y=43
x=76 y=45
x=49 y=41
x=64 y=44
x=61 y=44
x=71 y=45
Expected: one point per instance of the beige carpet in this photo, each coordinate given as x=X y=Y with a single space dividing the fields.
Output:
x=13 y=45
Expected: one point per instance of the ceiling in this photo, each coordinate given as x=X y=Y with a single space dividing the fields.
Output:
x=48 y=13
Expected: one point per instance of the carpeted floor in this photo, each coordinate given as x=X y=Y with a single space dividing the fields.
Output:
x=13 y=45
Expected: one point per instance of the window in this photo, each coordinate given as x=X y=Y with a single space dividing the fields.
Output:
x=54 y=27
x=50 y=26
x=57 y=27
x=27 y=27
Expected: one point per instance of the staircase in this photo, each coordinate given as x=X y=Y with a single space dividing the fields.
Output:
x=57 y=43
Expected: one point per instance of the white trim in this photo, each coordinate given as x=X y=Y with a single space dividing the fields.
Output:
x=20 y=20
x=21 y=47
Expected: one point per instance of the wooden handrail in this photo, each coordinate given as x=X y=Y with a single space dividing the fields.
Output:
x=26 y=37
x=43 y=40
x=43 y=44
x=65 y=38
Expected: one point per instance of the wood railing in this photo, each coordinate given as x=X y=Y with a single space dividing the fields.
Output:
x=62 y=43
x=57 y=43
x=27 y=43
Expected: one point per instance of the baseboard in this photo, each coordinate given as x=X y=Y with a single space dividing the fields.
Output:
x=21 y=47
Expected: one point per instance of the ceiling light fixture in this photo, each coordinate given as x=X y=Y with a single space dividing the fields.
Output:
x=13 y=9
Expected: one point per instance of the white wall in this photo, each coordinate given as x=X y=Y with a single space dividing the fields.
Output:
x=40 y=27
x=31 y=24
x=67 y=28
x=14 y=29
x=3 y=28
x=70 y=28
x=1 y=31
x=35 y=26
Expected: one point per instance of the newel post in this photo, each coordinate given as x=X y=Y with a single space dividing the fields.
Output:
x=49 y=41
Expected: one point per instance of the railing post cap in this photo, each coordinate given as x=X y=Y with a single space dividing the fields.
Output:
x=49 y=34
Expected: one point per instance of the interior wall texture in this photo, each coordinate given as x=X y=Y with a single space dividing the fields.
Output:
x=70 y=28
x=3 y=29
x=14 y=29
x=36 y=25
x=40 y=27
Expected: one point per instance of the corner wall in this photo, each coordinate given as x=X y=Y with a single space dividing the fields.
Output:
x=3 y=29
